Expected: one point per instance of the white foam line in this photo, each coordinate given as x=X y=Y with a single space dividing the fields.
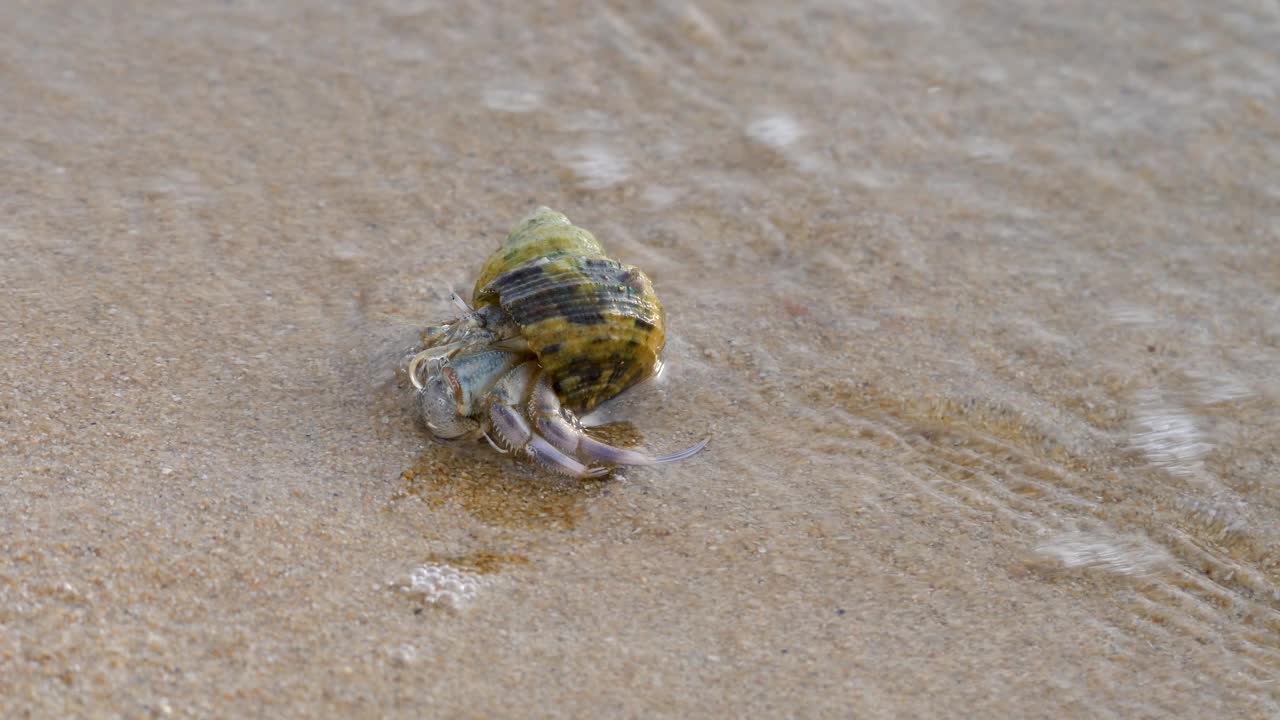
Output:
x=1129 y=556
x=1169 y=436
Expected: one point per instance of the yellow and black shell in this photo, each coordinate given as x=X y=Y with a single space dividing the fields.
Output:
x=594 y=323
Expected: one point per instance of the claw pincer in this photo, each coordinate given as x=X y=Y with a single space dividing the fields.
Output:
x=557 y=327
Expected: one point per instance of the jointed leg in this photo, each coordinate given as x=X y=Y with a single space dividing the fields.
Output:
x=513 y=431
x=510 y=402
x=563 y=431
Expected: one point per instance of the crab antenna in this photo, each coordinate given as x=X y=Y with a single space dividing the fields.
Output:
x=457 y=300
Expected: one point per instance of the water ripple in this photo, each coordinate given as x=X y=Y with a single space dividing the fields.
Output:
x=596 y=166
x=1169 y=435
x=1129 y=556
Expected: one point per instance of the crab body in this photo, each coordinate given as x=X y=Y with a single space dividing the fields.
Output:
x=556 y=327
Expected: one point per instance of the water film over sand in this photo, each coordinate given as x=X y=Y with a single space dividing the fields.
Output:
x=978 y=301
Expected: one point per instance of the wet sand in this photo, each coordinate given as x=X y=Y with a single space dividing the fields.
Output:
x=979 y=304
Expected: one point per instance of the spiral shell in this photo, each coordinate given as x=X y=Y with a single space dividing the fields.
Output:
x=594 y=323
x=556 y=327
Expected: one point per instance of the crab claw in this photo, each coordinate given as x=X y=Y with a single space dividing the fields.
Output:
x=561 y=433
x=548 y=456
x=589 y=447
x=567 y=437
x=514 y=432
x=437 y=406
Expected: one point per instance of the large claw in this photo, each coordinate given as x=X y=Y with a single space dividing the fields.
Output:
x=438 y=408
x=514 y=432
x=567 y=437
x=573 y=440
x=511 y=429
x=589 y=447
x=548 y=456
x=448 y=397
x=553 y=439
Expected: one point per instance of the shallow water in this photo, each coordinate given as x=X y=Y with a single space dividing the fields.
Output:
x=979 y=303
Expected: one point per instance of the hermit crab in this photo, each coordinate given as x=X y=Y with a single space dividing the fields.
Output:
x=555 y=327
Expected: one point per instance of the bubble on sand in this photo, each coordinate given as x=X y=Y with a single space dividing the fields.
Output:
x=443 y=584
x=403 y=655
x=512 y=99
x=596 y=166
x=777 y=131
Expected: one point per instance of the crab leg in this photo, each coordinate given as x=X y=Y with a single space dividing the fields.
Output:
x=551 y=423
x=589 y=447
x=514 y=432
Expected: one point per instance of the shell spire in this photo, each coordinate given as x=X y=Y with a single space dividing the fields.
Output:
x=543 y=233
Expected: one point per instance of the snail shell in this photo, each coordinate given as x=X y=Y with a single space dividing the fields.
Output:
x=595 y=324
x=557 y=326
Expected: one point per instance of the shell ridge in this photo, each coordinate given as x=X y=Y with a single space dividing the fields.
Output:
x=594 y=323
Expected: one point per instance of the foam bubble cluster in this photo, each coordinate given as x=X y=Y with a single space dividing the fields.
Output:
x=443 y=584
x=776 y=131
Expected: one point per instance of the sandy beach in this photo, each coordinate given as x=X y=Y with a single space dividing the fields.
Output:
x=978 y=302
